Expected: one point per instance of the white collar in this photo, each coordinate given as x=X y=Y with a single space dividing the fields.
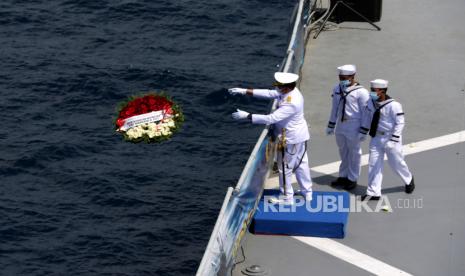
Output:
x=384 y=102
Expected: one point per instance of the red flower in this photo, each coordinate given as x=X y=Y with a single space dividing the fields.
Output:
x=120 y=122
x=131 y=111
x=144 y=105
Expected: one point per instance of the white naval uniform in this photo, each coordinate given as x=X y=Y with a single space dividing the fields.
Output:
x=347 y=121
x=289 y=115
x=390 y=126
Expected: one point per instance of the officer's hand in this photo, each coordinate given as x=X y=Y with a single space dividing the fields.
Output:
x=240 y=115
x=362 y=137
x=329 y=131
x=237 y=91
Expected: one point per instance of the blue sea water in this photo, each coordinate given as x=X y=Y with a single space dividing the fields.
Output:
x=77 y=200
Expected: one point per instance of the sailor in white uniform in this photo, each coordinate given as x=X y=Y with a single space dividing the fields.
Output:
x=349 y=100
x=289 y=119
x=386 y=121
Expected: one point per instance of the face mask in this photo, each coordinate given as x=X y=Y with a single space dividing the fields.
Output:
x=374 y=96
x=345 y=83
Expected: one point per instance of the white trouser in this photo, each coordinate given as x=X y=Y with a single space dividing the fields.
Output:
x=295 y=159
x=375 y=164
x=350 y=151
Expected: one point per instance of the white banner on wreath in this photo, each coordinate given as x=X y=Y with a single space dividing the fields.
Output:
x=151 y=117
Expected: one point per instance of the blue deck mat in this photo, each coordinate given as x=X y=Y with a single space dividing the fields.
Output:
x=326 y=216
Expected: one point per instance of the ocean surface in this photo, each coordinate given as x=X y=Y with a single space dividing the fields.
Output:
x=77 y=200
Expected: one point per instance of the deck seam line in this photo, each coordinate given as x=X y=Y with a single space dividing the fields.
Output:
x=351 y=256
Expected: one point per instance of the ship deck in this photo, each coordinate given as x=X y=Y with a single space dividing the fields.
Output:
x=421 y=51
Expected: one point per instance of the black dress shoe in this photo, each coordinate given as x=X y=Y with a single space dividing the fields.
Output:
x=410 y=187
x=275 y=167
x=340 y=181
x=349 y=185
x=370 y=197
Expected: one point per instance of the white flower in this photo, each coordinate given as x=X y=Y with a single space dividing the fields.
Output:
x=137 y=132
x=171 y=123
x=133 y=133
x=152 y=126
x=130 y=133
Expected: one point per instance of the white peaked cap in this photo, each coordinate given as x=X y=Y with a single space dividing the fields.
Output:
x=379 y=83
x=285 y=78
x=346 y=70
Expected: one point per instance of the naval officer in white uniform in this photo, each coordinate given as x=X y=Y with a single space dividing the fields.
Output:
x=349 y=100
x=289 y=116
x=386 y=121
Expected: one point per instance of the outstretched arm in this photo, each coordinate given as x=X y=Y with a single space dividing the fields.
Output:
x=282 y=113
x=263 y=93
x=259 y=93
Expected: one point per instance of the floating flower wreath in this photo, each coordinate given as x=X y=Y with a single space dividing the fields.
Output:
x=150 y=118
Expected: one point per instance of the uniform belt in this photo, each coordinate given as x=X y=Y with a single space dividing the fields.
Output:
x=382 y=133
x=350 y=119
